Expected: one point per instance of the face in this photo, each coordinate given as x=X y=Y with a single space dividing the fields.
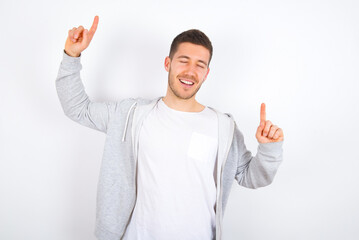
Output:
x=190 y=64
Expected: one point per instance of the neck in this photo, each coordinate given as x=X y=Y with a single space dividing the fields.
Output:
x=184 y=105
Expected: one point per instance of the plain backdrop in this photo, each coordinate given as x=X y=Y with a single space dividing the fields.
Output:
x=299 y=57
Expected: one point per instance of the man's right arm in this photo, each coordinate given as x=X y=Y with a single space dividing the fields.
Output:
x=74 y=100
x=70 y=89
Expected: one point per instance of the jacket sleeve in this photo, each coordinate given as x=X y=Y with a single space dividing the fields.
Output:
x=259 y=170
x=74 y=100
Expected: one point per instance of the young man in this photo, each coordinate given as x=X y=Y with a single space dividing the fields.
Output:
x=169 y=162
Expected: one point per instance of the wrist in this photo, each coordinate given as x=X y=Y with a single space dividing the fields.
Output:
x=72 y=54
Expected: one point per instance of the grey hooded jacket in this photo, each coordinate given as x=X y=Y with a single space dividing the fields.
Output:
x=121 y=122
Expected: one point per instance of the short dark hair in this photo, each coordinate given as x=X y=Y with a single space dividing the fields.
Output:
x=194 y=36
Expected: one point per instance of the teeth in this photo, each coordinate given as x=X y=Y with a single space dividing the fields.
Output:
x=186 y=82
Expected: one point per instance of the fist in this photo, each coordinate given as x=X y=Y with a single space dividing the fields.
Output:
x=79 y=38
x=267 y=132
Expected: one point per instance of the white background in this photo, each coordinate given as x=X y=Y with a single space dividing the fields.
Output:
x=299 y=57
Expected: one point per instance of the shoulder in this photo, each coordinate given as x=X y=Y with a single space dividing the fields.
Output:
x=129 y=102
x=222 y=114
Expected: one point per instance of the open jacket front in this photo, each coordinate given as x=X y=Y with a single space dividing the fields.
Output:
x=121 y=122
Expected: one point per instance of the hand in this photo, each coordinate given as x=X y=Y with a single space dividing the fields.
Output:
x=267 y=132
x=79 y=39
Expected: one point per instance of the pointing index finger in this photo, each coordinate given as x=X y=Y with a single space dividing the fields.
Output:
x=263 y=113
x=94 y=26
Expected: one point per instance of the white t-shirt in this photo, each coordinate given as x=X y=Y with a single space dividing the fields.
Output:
x=176 y=191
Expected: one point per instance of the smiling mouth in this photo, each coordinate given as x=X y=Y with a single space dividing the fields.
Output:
x=187 y=83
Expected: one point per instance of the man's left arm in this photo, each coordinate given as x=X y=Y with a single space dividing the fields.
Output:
x=259 y=170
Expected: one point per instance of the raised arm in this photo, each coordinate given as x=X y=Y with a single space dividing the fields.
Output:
x=259 y=170
x=70 y=89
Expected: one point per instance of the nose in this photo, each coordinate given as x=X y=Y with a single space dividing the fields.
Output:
x=192 y=69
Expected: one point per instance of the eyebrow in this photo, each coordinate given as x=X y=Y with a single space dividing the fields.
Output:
x=184 y=56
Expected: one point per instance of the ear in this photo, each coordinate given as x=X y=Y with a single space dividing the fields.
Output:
x=167 y=63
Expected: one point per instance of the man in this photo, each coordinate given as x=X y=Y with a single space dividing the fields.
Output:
x=169 y=162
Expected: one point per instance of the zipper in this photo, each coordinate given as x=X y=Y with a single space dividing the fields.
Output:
x=219 y=202
x=135 y=167
x=135 y=155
